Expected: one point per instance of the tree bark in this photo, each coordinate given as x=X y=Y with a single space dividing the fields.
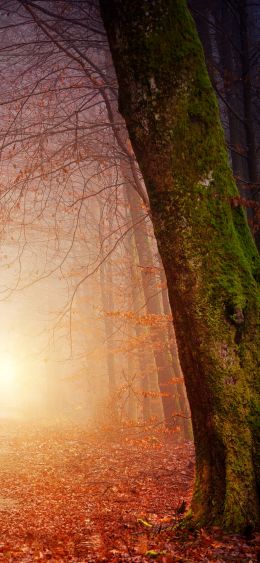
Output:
x=205 y=244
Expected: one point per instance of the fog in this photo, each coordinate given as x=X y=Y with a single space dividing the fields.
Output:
x=88 y=333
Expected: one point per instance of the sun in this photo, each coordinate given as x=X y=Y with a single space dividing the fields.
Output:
x=8 y=371
x=9 y=385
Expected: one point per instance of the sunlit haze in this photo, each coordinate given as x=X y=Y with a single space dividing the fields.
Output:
x=129 y=270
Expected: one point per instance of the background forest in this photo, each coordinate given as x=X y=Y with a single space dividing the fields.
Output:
x=89 y=338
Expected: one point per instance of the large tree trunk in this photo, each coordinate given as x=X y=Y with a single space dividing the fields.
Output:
x=206 y=247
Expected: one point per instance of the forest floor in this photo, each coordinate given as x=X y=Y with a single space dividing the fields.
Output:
x=72 y=495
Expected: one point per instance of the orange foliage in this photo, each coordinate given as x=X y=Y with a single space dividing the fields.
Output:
x=145 y=320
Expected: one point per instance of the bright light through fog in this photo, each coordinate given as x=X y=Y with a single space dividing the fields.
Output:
x=8 y=372
x=10 y=395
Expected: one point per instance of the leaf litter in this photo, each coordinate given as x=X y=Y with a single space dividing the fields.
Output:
x=68 y=494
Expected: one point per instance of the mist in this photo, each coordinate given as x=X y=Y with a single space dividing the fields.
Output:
x=126 y=261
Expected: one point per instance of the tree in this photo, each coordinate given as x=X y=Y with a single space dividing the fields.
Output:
x=162 y=355
x=210 y=260
x=230 y=36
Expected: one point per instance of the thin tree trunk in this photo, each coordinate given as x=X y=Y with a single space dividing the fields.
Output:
x=106 y=279
x=180 y=386
x=153 y=307
x=152 y=405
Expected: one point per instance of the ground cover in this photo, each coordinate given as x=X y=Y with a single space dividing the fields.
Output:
x=75 y=495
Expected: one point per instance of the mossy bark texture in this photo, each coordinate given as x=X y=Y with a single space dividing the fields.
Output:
x=210 y=260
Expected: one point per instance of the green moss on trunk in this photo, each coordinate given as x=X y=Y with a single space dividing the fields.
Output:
x=210 y=260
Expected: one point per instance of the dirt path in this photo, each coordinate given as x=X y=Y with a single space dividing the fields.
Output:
x=71 y=496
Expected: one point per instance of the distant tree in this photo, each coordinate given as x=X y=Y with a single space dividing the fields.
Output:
x=161 y=351
x=210 y=260
x=230 y=34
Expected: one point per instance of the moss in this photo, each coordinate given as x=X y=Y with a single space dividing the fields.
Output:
x=209 y=256
x=202 y=216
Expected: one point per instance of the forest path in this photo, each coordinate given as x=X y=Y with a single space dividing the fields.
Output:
x=69 y=495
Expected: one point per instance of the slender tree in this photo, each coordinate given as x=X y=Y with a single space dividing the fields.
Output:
x=184 y=407
x=153 y=306
x=206 y=247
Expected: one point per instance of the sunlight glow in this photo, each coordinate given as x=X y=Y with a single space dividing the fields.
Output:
x=10 y=395
x=8 y=371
